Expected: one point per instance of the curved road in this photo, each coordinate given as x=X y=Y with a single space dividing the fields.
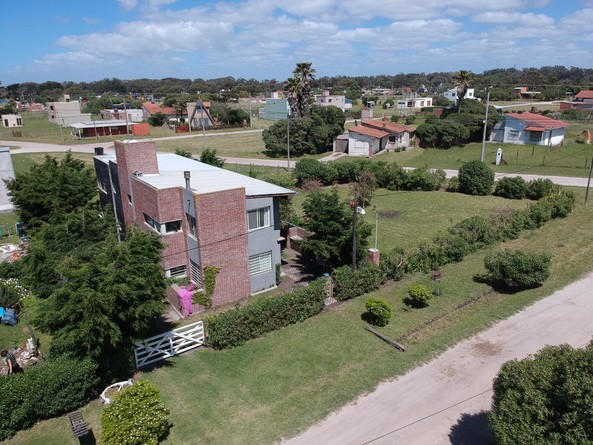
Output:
x=443 y=401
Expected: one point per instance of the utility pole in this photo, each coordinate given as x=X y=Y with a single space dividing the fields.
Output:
x=376 y=225
x=485 y=125
x=589 y=182
x=288 y=139
x=354 y=205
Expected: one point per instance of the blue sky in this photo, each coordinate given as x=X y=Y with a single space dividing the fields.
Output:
x=83 y=41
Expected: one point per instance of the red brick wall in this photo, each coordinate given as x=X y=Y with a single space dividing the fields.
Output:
x=222 y=237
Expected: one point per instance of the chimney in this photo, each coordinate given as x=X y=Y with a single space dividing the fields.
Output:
x=187 y=175
x=98 y=151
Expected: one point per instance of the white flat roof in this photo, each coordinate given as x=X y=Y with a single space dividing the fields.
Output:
x=205 y=178
x=93 y=124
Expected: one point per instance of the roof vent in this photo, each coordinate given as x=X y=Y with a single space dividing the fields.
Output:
x=187 y=176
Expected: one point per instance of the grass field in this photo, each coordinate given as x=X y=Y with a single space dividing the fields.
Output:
x=276 y=386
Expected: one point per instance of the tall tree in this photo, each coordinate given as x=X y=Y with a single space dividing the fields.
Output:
x=462 y=79
x=51 y=187
x=298 y=89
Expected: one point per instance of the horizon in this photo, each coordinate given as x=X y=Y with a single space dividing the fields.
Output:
x=264 y=39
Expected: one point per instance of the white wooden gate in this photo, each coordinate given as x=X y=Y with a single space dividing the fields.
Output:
x=170 y=343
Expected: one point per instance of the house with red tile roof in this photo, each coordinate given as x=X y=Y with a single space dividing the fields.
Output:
x=400 y=135
x=148 y=109
x=581 y=101
x=529 y=128
x=366 y=141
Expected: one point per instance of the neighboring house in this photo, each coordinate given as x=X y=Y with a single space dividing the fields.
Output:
x=582 y=101
x=199 y=114
x=6 y=173
x=276 y=109
x=325 y=100
x=414 y=102
x=206 y=216
x=451 y=94
x=11 y=120
x=65 y=113
x=133 y=115
x=524 y=93
x=366 y=141
x=400 y=135
x=529 y=128
x=148 y=109
x=99 y=128
x=34 y=107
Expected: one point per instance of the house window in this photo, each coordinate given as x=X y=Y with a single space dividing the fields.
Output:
x=259 y=218
x=196 y=273
x=152 y=223
x=172 y=226
x=19 y=121
x=191 y=221
x=513 y=134
x=391 y=138
x=129 y=198
x=177 y=272
x=260 y=263
x=6 y=123
x=535 y=136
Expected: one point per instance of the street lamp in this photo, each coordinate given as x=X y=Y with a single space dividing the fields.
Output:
x=485 y=124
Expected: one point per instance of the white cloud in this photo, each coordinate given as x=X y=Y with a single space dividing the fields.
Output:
x=127 y=5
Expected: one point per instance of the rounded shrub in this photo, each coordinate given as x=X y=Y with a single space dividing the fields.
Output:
x=538 y=188
x=312 y=169
x=137 y=416
x=517 y=269
x=511 y=188
x=378 y=311
x=475 y=178
x=418 y=296
x=453 y=185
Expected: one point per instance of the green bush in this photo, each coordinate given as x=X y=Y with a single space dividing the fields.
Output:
x=562 y=203
x=308 y=169
x=424 y=179
x=517 y=269
x=136 y=416
x=350 y=284
x=511 y=188
x=453 y=184
x=427 y=257
x=46 y=390
x=347 y=172
x=236 y=326
x=378 y=311
x=477 y=232
x=538 y=188
x=410 y=120
x=391 y=176
x=453 y=247
x=418 y=296
x=540 y=213
x=475 y=178
x=392 y=264
x=157 y=119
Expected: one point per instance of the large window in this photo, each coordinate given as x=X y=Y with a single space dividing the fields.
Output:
x=259 y=218
x=152 y=223
x=191 y=221
x=163 y=228
x=260 y=263
x=172 y=226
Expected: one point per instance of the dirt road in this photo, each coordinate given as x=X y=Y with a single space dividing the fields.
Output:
x=443 y=401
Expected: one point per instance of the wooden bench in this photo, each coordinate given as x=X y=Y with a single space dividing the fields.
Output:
x=78 y=424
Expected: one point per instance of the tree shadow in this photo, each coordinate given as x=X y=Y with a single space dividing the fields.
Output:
x=471 y=429
x=501 y=286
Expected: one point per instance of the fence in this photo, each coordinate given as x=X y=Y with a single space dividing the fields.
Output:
x=169 y=344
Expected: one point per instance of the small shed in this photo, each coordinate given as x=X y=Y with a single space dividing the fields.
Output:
x=99 y=128
x=12 y=120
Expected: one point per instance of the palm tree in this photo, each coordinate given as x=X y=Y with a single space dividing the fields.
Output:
x=298 y=88
x=462 y=79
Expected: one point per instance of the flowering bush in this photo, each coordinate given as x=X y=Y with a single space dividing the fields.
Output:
x=11 y=291
x=185 y=300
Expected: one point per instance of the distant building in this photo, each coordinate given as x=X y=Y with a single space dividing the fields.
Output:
x=582 y=101
x=529 y=128
x=65 y=113
x=451 y=94
x=133 y=115
x=198 y=114
x=99 y=128
x=11 y=120
x=276 y=109
x=325 y=100
x=414 y=102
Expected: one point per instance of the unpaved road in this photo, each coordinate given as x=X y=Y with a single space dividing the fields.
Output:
x=443 y=401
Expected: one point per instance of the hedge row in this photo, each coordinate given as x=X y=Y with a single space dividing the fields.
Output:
x=388 y=175
x=46 y=390
x=350 y=283
x=236 y=326
x=477 y=232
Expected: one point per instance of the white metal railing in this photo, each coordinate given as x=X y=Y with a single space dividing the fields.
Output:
x=169 y=344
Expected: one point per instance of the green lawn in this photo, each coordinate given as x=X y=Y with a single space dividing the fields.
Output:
x=276 y=386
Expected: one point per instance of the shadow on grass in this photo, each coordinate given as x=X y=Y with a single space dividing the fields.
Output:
x=471 y=429
x=501 y=286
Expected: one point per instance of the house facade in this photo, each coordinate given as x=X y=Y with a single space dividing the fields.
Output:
x=325 y=100
x=414 y=102
x=205 y=216
x=199 y=115
x=276 y=109
x=451 y=94
x=65 y=113
x=99 y=128
x=132 y=114
x=400 y=135
x=583 y=101
x=148 y=109
x=11 y=120
x=529 y=128
x=366 y=141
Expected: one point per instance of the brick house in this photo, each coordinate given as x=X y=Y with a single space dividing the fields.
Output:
x=206 y=216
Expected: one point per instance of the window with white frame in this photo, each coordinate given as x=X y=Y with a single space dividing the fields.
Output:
x=260 y=263
x=177 y=272
x=258 y=218
x=173 y=226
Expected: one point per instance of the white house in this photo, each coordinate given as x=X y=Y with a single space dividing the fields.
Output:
x=529 y=128
x=366 y=141
x=451 y=94
x=58 y=111
x=325 y=100
x=11 y=120
x=414 y=102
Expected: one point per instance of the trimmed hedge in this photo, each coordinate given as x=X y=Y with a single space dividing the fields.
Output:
x=418 y=296
x=236 y=326
x=475 y=178
x=518 y=269
x=511 y=188
x=46 y=390
x=350 y=284
x=378 y=311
